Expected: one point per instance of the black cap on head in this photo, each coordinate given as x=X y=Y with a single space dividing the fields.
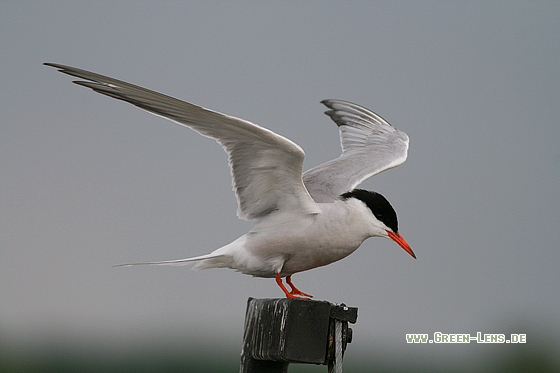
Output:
x=379 y=206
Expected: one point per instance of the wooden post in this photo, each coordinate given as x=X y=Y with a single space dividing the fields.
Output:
x=283 y=331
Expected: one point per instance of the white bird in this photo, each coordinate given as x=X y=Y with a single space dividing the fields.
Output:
x=302 y=221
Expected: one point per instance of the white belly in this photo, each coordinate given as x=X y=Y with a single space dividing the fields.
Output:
x=300 y=244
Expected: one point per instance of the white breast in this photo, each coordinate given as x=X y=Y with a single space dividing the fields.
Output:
x=293 y=244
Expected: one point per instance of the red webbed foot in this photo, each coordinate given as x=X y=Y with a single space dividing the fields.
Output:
x=295 y=293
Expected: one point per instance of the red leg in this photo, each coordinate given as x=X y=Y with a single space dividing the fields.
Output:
x=296 y=291
x=279 y=282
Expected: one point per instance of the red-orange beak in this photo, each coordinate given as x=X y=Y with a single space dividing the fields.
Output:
x=402 y=242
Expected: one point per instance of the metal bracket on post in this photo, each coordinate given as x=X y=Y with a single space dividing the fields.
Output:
x=283 y=331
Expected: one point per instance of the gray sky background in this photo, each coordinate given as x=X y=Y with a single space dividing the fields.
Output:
x=88 y=182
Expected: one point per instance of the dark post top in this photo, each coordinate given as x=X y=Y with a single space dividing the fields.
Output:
x=293 y=331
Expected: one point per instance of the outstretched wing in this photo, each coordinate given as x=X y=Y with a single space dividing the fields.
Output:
x=266 y=168
x=369 y=145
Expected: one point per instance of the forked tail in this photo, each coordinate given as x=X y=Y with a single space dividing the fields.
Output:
x=220 y=258
x=179 y=262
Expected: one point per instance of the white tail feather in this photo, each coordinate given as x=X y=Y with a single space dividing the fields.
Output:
x=177 y=262
x=220 y=258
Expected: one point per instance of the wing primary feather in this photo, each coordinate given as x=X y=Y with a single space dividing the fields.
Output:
x=266 y=168
x=369 y=144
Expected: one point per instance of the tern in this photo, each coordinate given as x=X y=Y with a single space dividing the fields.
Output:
x=302 y=220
